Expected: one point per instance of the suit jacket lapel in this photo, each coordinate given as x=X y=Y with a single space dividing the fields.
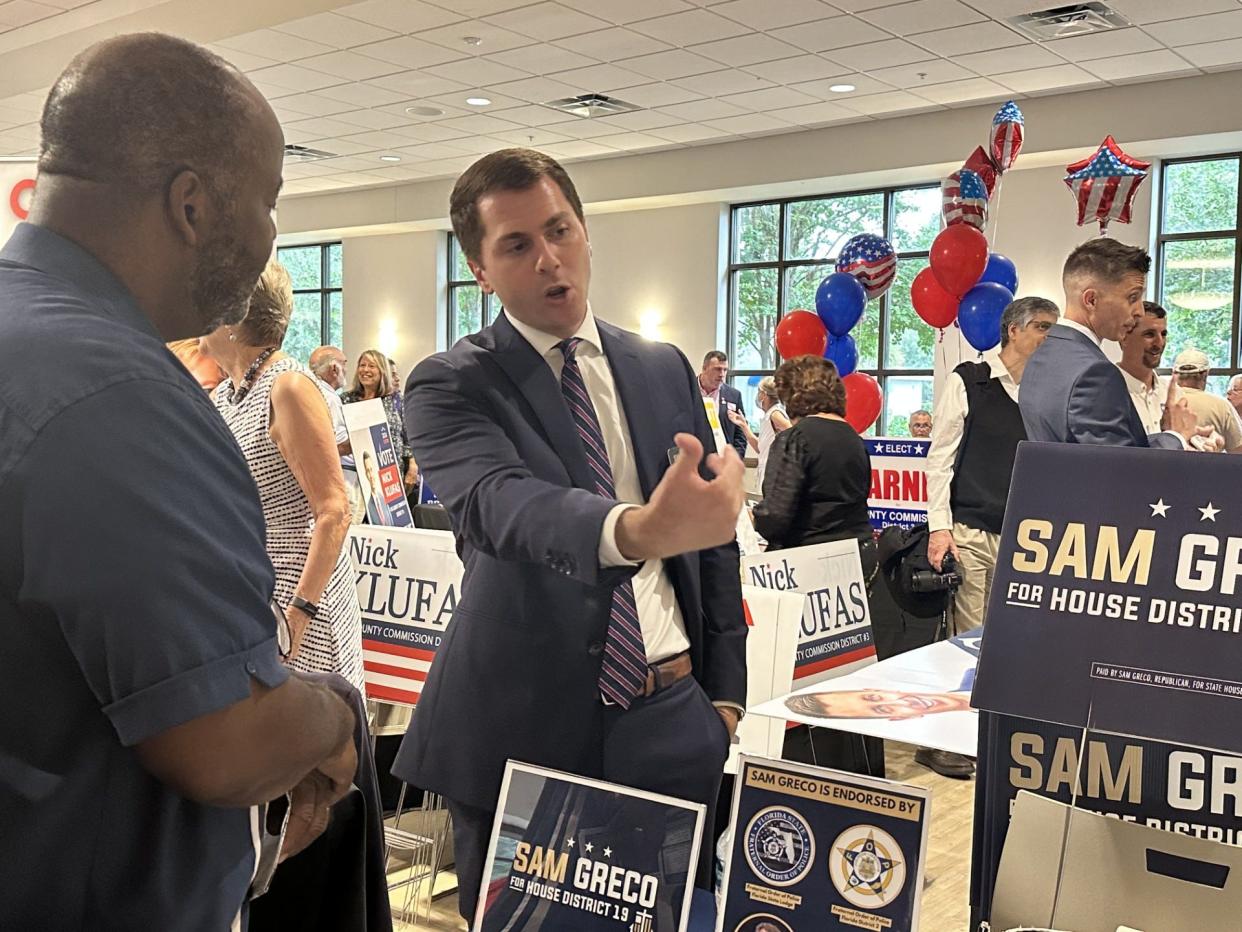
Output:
x=529 y=372
x=633 y=381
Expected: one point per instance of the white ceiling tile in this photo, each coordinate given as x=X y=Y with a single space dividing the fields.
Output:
x=1045 y=79
x=339 y=32
x=975 y=37
x=312 y=104
x=339 y=146
x=615 y=44
x=751 y=123
x=858 y=6
x=1103 y=45
x=692 y=26
x=439 y=168
x=773 y=98
x=968 y=90
x=534 y=115
x=18 y=13
x=371 y=119
x=629 y=11
x=473 y=9
x=890 y=102
x=1198 y=29
x=401 y=15
x=542 y=58
x=889 y=53
x=410 y=52
x=432 y=150
x=532 y=136
x=457 y=101
x=701 y=111
x=495 y=39
x=799 y=68
x=578 y=149
x=670 y=65
x=1140 y=12
x=318 y=128
x=590 y=128
x=477 y=72
x=380 y=139
x=350 y=65
x=863 y=84
x=244 y=61
x=922 y=73
x=922 y=16
x=814 y=114
x=537 y=90
x=764 y=14
x=746 y=50
x=294 y=77
x=546 y=21
x=1019 y=58
x=643 y=120
x=631 y=141
x=479 y=123
x=1213 y=54
x=276 y=45
x=725 y=81
x=426 y=132
x=659 y=95
x=688 y=132
x=1000 y=9
x=1144 y=65
x=30 y=103
x=414 y=85
x=364 y=95
x=601 y=78
x=833 y=33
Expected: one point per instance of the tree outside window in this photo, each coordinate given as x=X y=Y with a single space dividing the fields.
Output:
x=318 y=297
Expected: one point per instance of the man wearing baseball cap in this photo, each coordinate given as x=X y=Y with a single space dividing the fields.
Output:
x=1191 y=367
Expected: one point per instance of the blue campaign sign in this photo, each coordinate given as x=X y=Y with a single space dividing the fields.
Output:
x=898 y=493
x=1115 y=600
x=821 y=849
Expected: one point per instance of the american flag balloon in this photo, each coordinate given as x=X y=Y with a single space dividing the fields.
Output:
x=1006 y=136
x=981 y=164
x=871 y=260
x=1105 y=184
x=964 y=199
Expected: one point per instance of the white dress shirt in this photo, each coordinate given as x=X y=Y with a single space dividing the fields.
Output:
x=1081 y=328
x=664 y=630
x=948 y=428
x=1148 y=399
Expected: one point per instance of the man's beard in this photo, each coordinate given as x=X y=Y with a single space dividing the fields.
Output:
x=223 y=282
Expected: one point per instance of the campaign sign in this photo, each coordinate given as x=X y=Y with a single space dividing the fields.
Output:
x=375 y=459
x=17 y=183
x=569 y=854
x=822 y=849
x=1170 y=787
x=1117 y=582
x=773 y=619
x=835 y=636
x=409 y=583
x=898 y=495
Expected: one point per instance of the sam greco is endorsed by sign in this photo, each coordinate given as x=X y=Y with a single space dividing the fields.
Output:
x=1118 y=579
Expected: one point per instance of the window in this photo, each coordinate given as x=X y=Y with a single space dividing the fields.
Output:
x=318 y=302
x=469 y=309
x=781 y=250
x=1197 y=261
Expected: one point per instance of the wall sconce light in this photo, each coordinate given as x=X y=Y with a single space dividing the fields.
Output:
x=649 y=324
x=387 y=340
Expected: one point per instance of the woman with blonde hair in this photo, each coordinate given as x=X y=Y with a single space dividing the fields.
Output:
x=373 y=378
x=774 y=421
x=274 y=408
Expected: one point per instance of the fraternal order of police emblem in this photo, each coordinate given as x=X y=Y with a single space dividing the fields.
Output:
x=867 y=866
x=779 y=846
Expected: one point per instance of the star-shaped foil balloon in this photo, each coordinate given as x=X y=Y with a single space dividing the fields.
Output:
x=1105 y=184
x=1007 y=129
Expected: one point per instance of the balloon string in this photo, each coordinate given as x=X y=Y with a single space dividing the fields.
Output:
x=994 y=211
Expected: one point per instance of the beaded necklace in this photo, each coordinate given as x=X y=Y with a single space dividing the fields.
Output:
x=240 y=391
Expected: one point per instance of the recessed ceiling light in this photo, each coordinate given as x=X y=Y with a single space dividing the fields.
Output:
x=390 y=158
x=472 y=40
x=841 y=88
x=479 y=101
x=424 y=111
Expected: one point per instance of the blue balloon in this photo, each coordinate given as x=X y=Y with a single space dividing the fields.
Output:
x=1001 y=271
x=979 y=314
x=839 y=302
x=844 y=354
x=754 y=380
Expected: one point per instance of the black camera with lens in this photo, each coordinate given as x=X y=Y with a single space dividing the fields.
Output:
x=947 y=580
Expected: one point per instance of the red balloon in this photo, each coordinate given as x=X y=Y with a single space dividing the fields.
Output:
x=959 y=255
x=863 y=400
x=981 y=162
x=931 y=302
x=801 y=333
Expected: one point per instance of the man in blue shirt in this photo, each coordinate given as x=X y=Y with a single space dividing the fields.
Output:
x=146 y=707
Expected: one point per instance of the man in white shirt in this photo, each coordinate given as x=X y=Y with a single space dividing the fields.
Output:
x=1233 y=394
x=1141 y=352
x=328 y=364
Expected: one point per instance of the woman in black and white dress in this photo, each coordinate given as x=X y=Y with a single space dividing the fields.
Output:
x=274 y=408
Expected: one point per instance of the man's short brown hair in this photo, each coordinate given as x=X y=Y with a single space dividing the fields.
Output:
x=1106 y=260
x=505 y=170
x=810 y=385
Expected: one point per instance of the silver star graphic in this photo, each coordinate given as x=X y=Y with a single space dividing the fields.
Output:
x=1160 y=508
x=589 y=847
x=1209 y=513
x=607 y=852
x=571 y=842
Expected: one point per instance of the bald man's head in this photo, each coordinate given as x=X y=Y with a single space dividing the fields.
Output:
x=134 y=110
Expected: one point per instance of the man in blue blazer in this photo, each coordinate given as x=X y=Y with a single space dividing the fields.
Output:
x=1071 y=392
x=727 y=398
x=600 y=629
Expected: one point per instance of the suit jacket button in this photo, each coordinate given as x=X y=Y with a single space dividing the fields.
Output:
x=595 y=648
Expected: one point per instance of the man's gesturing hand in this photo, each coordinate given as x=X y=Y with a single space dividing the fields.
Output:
x=686 y=512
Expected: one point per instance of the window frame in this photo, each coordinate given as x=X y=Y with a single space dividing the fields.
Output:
x=489 y=304
x=781 y=265
x=325 y=291
x=1235 y=234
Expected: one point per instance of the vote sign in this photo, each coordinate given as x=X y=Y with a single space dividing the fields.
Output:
x=1117 y=583
x=898 y=495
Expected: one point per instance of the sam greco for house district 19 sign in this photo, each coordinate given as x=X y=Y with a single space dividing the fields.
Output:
x=1116 y=601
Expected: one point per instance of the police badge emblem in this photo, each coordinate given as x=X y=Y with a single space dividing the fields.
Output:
x=867 y=866
x=779 y=846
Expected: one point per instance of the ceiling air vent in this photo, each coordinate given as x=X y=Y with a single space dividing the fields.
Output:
x=1064 y=22
x=592 y=105
x=306 y=154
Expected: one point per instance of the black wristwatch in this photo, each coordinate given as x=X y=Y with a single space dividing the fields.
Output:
x=310 y=609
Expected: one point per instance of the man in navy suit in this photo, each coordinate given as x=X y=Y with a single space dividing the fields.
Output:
x=1071 y=392
x=727 y=399
x=600 y=629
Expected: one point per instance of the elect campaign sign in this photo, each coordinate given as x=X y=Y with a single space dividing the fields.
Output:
x=898 y=493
